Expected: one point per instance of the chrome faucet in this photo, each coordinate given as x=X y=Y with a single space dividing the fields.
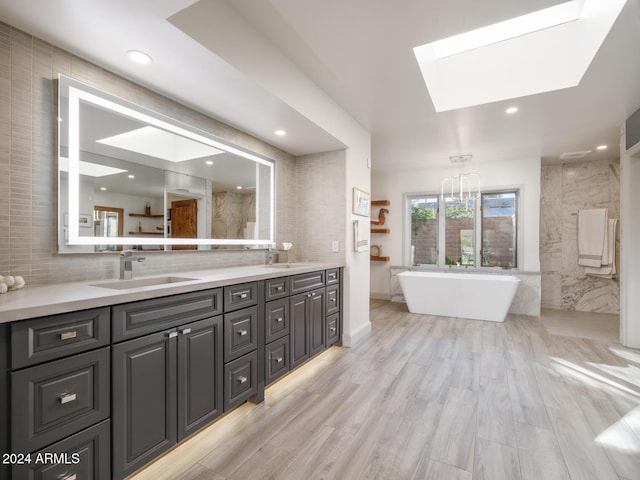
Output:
x=126 y=264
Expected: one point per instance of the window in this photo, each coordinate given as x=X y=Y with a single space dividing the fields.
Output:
x=424 y=230
x=499 y=215
x=481 y=231
x=459 y=230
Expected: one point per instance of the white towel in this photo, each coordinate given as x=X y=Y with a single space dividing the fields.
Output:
x=592 y=232
x=607 y=270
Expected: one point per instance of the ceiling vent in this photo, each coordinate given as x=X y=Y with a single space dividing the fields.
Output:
x=461 y=158
x=573 y=155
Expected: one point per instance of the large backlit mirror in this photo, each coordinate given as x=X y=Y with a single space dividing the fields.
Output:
x=132 y=178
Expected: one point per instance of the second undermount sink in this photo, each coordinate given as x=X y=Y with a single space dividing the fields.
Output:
x=142 y=282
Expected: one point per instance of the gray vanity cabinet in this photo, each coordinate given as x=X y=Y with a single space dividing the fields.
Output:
x=4 y=397
x=144 y=400
x=167 y=384
x=307 y=325
x=277 y=327
x=200 y=370
x=60 y=395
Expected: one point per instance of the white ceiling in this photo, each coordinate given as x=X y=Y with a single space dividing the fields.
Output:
x=360 y=53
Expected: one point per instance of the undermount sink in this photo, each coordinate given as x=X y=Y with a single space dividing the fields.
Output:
x=142 y=282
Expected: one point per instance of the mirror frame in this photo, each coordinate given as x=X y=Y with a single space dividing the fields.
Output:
x=76 y=92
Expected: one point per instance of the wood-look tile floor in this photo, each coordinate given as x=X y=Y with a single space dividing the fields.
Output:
x=436 y=398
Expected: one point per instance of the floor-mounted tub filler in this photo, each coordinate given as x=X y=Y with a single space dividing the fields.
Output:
x=464 y=295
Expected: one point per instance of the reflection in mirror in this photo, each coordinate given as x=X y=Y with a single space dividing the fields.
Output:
x=168 y=181
x=108 y=222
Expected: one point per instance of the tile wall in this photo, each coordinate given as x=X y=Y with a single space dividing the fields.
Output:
x=28 y=168
x=566 y=189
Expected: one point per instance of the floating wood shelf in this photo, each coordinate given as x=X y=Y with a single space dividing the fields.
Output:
x=157 y=215
x=379 y=259
x=380 y=230
x=379 y=203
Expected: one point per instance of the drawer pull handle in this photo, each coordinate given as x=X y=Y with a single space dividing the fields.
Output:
x=333 y=329
x=67 y=476
x=242 y=333
x=334 y=300
x=242 y=379
x=241 y=294
x=278 y=360
x=279 y=288
x=68 y=335
x=67 y=397
x=185 y=331
x=278 y=320
x=172 y=334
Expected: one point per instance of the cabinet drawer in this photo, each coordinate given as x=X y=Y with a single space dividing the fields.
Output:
x=135 y=319
x=333 y=329
x=57 y=399
x=49 y=338
x=240 y=296
x=241 y=379
x=277 y=288
x=241 y=332
x=87 y=455
x=333 y=276
x=276 y=359
x=306 y=281
x=333 y=299
x=276 y=319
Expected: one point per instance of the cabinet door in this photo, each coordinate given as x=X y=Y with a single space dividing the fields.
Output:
x=317 y=320
x=200 y=370
x=144 y=400
x=299 y=333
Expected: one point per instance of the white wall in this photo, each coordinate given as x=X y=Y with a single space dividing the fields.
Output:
x=629 y=235
x=524 y=174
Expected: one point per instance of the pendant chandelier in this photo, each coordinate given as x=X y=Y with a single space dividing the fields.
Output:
x=463 y=187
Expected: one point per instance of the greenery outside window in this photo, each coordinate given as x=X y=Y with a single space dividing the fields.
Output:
x=499 y=229
x=424 y=230
x=459 y=232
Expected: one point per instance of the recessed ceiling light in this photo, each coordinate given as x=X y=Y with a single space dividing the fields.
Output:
x=280 y=133
x=239 y=187
x=601 y=147
x=104 y=189
x=139 y=57
x=511 y=110
x=209 y=162
x=131 y=176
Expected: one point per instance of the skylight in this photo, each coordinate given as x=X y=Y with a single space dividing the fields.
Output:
x=505 y=60
x=514 y=27
x=90 y=169
x=158 y=143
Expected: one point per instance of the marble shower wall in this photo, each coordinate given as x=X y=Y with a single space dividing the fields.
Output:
x=566 y=189
x=231 y=213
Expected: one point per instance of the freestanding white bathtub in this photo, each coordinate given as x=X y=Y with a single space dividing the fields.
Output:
x=464 y=295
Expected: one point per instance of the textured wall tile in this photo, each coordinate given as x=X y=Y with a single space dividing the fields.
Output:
x=551 y=184
x=584 y=185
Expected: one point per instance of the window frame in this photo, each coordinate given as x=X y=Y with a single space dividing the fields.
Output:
x=477 y=230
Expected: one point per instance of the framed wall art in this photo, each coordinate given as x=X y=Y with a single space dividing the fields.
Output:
x=361 y=202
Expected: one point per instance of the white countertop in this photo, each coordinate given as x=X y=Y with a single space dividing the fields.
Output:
x=38 y=301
